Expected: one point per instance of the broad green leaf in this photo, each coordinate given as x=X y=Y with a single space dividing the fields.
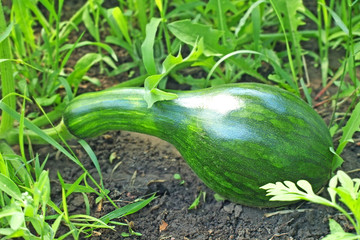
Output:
x=147 y=48
x=6 y=232
x=341 y=236
x=42 y=189
x=195 y=83
x=152 y=94
x=291 y=186
x=305 y=185
x=335 y=227
x=337 y=160
x=9 y=210
x=170 y=62
x=39 y=226
x=331 y=189
x=189 y=33
x=345 y=196
x=196 y=52
x=352 y=126
x=122 y=23
x=346 y=182
x=47 y=101
x=82 y=67
x=6 y=33
x=89 y=23
x=29 y=210
x=333 y=182
x=16 y=220
x=15 y=234
x=156 y=95
x=141 y=10
x=9 y=187
x=290 y=192
x=152 y=81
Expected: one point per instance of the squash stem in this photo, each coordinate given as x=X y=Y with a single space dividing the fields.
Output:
x=59 y=133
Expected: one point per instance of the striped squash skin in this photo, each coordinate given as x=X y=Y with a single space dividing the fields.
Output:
x=235 y=137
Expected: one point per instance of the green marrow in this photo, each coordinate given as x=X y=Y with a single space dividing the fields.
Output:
x=235 y=137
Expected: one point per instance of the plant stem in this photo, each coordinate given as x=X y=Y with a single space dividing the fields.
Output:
x=58 y=132
x=323 y=41
x=53 y=116
x=288 y=49
x=7 y=80
x=351 y=46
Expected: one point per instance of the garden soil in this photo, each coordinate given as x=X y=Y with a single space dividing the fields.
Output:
x=136 y=166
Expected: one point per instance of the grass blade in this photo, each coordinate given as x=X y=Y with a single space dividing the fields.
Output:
x=93 y=158
x=89 y=23
x=246 y=15
x=38 y=131
x=7 y=80
x=127 y=210
x=25 y=21
x=6 y=32
x=122 y=23
x=228 y=56
x=352 y=126
x=89 y=43
x=338 y=20
x=81 y=67
x=147 y=48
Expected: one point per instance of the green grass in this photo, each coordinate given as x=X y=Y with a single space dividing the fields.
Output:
x=222 y=41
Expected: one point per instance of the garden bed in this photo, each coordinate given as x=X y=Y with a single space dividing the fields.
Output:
x=143 y=165
x=136 y=166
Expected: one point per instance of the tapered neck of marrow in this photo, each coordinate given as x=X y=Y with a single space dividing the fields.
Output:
x=133 y=113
